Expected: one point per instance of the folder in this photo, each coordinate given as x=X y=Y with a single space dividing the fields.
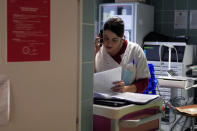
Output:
x=126 y=98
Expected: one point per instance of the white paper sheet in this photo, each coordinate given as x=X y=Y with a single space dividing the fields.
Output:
x=135 y=97
x=103 y=81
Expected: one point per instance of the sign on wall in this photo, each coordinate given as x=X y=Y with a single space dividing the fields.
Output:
x=180 y=19
x=28 y=30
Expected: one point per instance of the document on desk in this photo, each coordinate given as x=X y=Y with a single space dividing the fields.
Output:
x=132 y=98
x=103 y=80
x=136 y=98
x=103 y=83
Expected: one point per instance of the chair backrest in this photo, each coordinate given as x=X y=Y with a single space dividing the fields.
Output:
x=151 y=88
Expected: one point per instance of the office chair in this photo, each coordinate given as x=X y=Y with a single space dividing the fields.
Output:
x=151 y=88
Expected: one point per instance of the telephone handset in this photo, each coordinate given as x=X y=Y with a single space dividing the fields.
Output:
x=101 y=36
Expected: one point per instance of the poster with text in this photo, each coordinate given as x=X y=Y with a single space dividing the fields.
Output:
x=28 y=30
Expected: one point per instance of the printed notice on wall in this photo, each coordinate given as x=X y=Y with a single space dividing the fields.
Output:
x=180 y=20
x=28 y=30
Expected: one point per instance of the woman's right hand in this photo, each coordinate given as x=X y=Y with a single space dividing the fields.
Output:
x=97 y=45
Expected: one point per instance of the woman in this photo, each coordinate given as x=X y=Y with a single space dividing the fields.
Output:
x=115 y=51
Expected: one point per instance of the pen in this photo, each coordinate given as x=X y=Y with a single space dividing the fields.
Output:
x=133 y=61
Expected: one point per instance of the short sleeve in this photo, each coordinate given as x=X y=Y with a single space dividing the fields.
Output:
x=142 y=70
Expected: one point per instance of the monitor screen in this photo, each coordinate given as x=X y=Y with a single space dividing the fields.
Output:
x=152 y=53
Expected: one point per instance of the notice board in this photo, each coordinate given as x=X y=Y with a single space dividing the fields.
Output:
x=28 y=30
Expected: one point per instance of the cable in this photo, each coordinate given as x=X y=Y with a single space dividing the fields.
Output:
x=160 y=58
x=165 y=103
x=174 y=125
x=176 y=54
x=169 y=46
x=174 y=101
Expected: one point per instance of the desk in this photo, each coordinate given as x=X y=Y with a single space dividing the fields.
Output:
x=116 y=113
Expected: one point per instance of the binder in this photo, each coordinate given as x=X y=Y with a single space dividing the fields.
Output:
x=122 y=99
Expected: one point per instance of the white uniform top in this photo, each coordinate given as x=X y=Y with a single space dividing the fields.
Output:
x=134 y=63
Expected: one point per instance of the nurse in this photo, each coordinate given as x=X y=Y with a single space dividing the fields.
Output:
x=114 y=51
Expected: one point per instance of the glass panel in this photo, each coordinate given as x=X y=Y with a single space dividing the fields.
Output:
x=124 y=11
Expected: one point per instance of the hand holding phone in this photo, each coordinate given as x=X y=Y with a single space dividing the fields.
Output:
x=98 y=41
x=101 y=36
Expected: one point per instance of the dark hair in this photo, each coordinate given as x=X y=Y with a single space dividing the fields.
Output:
x=116 y=25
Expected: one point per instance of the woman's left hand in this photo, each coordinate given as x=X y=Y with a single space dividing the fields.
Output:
x=119 y=86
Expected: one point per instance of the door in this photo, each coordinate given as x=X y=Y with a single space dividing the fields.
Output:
x=44 y=93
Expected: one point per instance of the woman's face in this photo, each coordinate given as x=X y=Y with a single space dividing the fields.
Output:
x=112 y=42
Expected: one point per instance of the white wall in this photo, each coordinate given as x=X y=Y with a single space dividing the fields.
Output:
x=44 y=94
